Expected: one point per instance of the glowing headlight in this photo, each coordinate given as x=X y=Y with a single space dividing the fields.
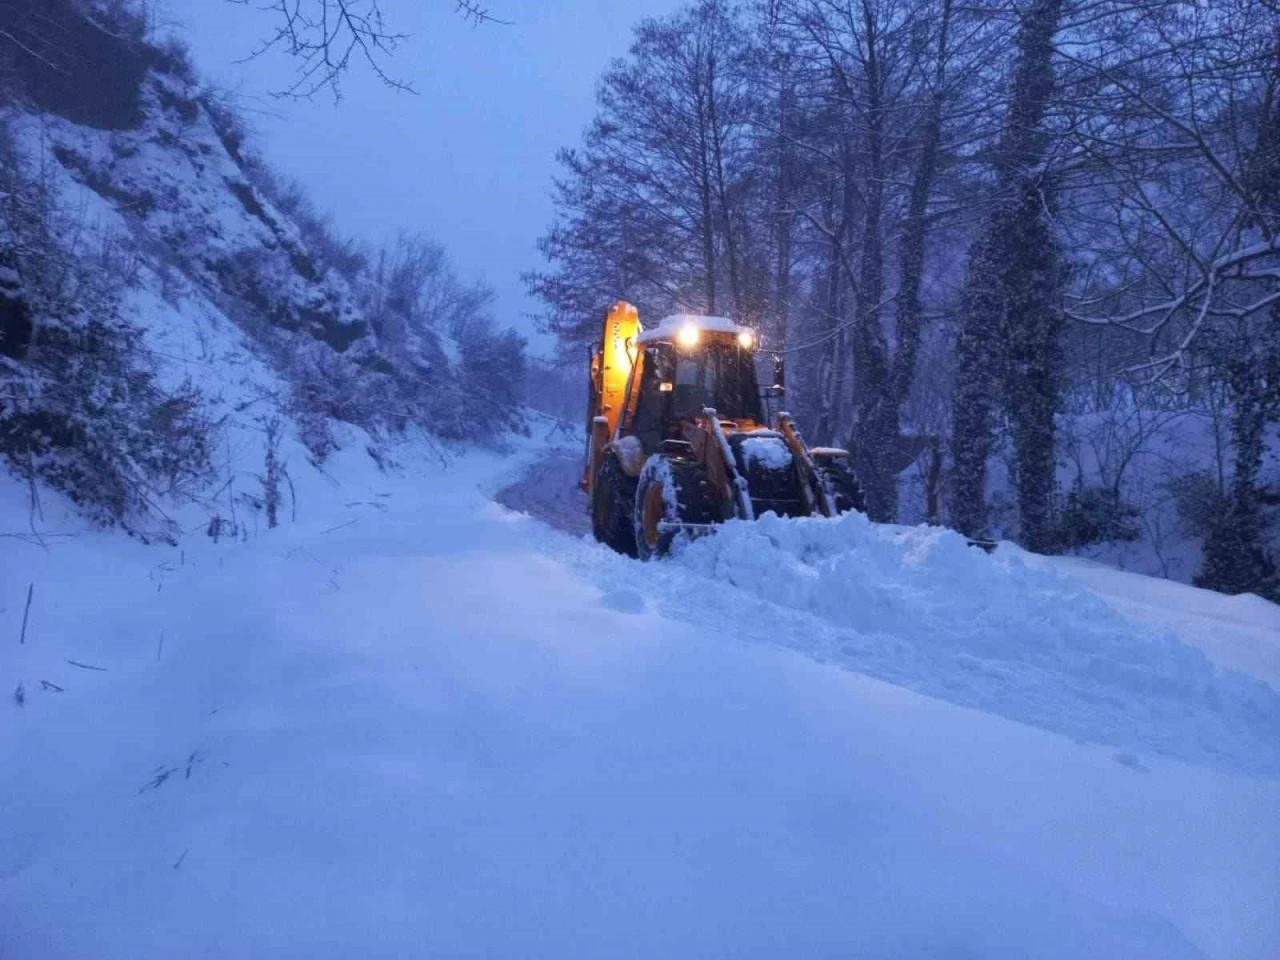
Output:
x=746 y=339
x=688 y=336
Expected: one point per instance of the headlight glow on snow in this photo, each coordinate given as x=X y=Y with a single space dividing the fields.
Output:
x=688 y=336
x=746 y=339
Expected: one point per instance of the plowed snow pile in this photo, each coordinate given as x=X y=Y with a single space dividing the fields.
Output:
x=918 y=606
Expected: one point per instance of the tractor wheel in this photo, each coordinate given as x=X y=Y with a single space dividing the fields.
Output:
x=670 y=493
x=835 y=473
x=613 y=506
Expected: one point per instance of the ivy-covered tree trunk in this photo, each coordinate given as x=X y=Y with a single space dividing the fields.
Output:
x=1032 y=342
x=1236 y=556
x=1008 y=352
x=977 y=384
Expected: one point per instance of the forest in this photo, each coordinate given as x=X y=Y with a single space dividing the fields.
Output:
x=1022 y=259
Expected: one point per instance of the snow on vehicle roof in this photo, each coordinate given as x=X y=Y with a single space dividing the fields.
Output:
x=667 y=328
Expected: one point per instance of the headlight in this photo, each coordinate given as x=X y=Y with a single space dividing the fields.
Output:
x=746 y=339
x=688 y=336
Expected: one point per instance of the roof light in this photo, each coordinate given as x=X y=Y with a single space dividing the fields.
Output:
x=746 y=339
x=688 y=336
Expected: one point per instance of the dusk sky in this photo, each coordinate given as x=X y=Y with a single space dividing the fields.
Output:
x=469 y=158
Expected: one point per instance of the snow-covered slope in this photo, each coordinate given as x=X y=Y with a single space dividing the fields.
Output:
x=153 y=265
x=415 y=723
x=1240 y=633
x=176 y=183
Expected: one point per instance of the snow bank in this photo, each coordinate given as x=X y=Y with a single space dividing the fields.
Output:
x=1240 y=633
x=919 y=607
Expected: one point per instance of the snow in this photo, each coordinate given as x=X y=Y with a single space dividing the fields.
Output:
x=769 y=451
x=921 y=608
x=670 y=326
x=1238 y=633
x=415 y=723
x=630 y=454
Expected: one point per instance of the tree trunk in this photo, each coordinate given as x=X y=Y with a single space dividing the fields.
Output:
x=824 y=429
x=976 y=393
x=915 y=229
x=874 y=441
x=784 y=225
x=722 y=191
x=1009 y=341
x=708 y=222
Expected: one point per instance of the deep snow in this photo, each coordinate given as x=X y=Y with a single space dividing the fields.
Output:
x=417 y=723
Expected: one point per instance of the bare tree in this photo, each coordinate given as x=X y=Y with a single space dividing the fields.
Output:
x=888 y=85
x=1177 y=153
x=1188 y=151
x=650 y=208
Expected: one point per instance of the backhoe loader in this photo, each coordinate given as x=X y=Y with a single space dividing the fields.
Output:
x=677 y=440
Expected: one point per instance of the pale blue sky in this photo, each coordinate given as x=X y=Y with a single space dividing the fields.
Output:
x=470 y=158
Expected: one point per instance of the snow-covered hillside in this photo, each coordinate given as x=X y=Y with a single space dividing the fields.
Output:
x=414 y=722
x=163 y=294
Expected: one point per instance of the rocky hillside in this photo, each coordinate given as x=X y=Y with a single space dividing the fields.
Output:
x=158 y=287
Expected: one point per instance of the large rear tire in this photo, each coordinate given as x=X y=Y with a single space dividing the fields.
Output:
x=670 y=493
x=613 y=507
x=835 y=473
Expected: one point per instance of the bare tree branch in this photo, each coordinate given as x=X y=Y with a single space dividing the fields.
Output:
x=325 y=36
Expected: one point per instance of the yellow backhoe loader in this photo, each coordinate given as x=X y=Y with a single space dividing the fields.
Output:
x=677 y=440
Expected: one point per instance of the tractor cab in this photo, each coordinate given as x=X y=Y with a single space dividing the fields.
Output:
x=684 y=367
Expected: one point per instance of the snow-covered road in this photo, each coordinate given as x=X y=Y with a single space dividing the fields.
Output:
x=417 y=723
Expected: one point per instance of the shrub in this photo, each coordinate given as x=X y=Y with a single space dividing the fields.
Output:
x=80 y=408
x=227 y=125
x=493 y=371
x=86 y=417
x=1236 y=559
x=1199 y=501
x=1096 y=515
